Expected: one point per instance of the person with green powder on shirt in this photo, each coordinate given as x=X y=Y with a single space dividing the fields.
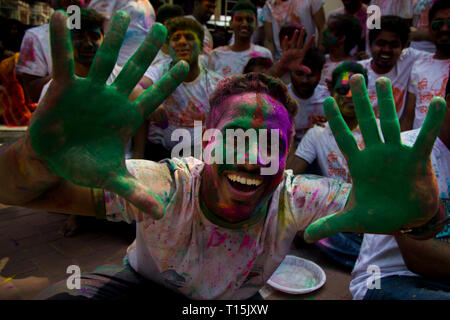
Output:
x=207 y=230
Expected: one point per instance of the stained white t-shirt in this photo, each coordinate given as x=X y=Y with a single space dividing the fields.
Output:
x=282 y=13
x=188 y=103
x=307 y=108
x=399 y=76
x=190 y=252
x=383 y=250
x=429 y=78
x=142 y=18
x=319 y=143
x=35 y=55
x=227 y=62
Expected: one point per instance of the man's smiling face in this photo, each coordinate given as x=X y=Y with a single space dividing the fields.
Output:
x=243 y=23
x=185 y=45
x=237 y=191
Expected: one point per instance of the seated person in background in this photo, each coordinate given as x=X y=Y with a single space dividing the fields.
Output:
x=391 y=59
x=258 y=65
x=410 y=269
x=339 y=38
x=188 y=103
x=230 y=60
x=429 y=74
x=34 y=67
x=305 y=88
x=319 y=144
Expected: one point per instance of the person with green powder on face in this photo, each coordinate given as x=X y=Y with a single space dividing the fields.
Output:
x=206 y=230
x=187 y=104
x=319 y=144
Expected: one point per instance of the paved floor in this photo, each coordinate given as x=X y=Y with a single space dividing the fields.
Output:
x=34 y=255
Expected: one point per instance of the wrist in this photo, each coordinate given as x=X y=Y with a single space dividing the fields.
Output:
x=431 y=228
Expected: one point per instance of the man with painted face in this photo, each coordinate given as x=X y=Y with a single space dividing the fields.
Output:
x=189 y=103
x=429 y=74
x=319 y=144
x=34 y=67
x=339 y=38
x=207 y=229
x=391 y=58
x=230 y=60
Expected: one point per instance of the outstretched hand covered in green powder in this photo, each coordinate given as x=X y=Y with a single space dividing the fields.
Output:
x=394 y=186
x=82 y=126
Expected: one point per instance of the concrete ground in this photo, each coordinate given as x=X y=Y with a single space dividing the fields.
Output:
x=34 y=255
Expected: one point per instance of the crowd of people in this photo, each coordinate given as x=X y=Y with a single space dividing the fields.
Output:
x=283 y=55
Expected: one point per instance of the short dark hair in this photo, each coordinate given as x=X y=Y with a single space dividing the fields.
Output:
x=243 y=5
x=169 y=11
x=437 y=6
x=289 y=30
x=183 y=23
x=258 y=61
x=314 y=59
x=348 y=26
x=351 y=66
x=393 y=24
x=91 y=19
x=250 y=82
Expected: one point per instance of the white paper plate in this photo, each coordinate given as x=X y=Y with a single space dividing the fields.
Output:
x=297 y=276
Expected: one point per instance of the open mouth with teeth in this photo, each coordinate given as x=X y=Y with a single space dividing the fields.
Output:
x=242 y=183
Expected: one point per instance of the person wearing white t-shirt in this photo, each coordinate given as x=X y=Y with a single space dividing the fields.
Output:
x=410 y=269
x=230 y=60
x=309 y=94
x=391 y=59
x=142 y=18
x=34 y=67
x=319 y=144
x=339 y=38
x=278 y=13
x=429 y=75
x=187 y=104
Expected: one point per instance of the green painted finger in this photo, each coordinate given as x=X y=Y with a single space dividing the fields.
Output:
x=135 y=68
x=128 y=187
x=388 y=115
x=430 y=128
x=364 y=111
x=159 y=91
x=107 y=54
x=61 y=48
x=344 y=137
x=330 y=225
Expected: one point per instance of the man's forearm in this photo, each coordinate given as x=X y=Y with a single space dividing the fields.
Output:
x=429 y=258
x=24 y=175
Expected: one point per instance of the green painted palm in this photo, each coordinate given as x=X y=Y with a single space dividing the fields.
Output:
x=394 y=186
x=82 y=126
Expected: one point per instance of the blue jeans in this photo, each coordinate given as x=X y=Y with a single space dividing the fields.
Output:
x=408 y=288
